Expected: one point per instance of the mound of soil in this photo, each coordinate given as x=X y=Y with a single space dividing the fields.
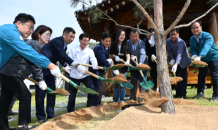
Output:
x=117 y=65
x=175 y=80
x=199 y=63
x=61 y=91
x=143 y=66
x=119 y=77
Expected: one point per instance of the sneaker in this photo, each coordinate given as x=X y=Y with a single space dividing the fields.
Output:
x=52 y=117
x=199 y=96
x=214 y=98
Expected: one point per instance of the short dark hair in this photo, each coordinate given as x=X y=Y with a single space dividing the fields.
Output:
x=105 y=35
x=197 y=22
x=81 y=36
x=177 y=30
x=23 y=18
x=133 y=31
x=150 y=30
x=40 y=30
x=67 y=30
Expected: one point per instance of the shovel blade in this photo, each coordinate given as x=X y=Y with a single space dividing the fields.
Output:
x=114 y=68
x=127 y=85
x=147 y=85
x=86 y=90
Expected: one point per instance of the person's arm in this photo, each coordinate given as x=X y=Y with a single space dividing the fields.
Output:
x=112 y=51
x=100 y=55
x=142 y=52
x=58 y=45
x=169 y=51
x=127 y=53
x=181 y=48
x=93 y=59
x=207 y=45
x=147 y=45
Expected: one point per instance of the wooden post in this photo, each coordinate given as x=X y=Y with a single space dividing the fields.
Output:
x=213 y=27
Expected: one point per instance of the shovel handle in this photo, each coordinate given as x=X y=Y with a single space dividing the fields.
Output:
x=91 y=66
x=134 y=61
x=121 y=60
x=94 y=75
x=37 y=83
x=64 y=78
x=154 y=60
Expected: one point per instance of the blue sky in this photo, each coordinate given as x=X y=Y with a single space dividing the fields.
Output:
x=57 y=14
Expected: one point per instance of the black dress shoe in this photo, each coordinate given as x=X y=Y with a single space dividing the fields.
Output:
x=52 y=117
x=199 y=95
x=183 y=97
x=214 y=98
x=42 y=120
x=10 y=113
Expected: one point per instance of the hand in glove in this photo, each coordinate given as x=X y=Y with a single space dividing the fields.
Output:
x=110 y=61
x=140 y=63
x=42 y=85
x=172 y=62
x=153 y=57
x=117 y=58
x=80 y=68
x=127 y=62
x=116 y=72
x=174 y=68
x=56 y=72
x=197 y=59
x=133 y=57
x=94 y=67
x=194 y=56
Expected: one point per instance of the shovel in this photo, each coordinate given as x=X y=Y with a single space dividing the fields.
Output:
x=146 y=84
x=197 y=65
x=123 y=84
x=101 y=78
x=131 y=66
x=48 y=89
x=113 y=67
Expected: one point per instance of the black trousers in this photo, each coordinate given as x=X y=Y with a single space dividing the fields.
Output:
x=87 y=81
x=67 y=85
x=213 y=65
x=14 y=86
x=181 y=86
x=153 y=74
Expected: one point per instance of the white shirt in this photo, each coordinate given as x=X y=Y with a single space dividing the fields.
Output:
x=65 y=44
x=197 y=39
x=152 y=41
x=81 y=56
x=119 y=48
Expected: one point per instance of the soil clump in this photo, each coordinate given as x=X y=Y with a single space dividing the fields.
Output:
x=143 y=66
x=120 y=78
x=199 y=63
x=61 y=91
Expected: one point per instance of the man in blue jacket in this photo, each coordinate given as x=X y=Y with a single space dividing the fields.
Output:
x=55 y=51
x=102 y=54
x=204 y=48
x=179 y=60
x=12 y=45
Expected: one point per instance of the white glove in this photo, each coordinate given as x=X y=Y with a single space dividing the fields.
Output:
x=174 y=68
x=56 y=72
x=197 y=59
x=116 y=72
x=194 y=56
x=140 y=63
x=42 y=85
x=80 y=68
x=127 y=62
x=153 y=57
x=94 y=67
x=110 y=61
x=133 y=57
x=172 y=62
x=117 y=58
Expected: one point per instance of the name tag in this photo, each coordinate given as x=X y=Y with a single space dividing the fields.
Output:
x=120 y=54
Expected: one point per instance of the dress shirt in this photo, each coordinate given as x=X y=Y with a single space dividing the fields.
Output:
x=81 y=56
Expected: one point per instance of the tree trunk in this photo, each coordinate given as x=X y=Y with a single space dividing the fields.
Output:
x=162 y=66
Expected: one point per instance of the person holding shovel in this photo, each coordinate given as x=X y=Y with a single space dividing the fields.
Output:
x=179 y=60
x=203 y=48
x=137 y=48
x=81 y=54
x=151 y=53
x=119 y=50
x=12 y=46
x=102 y=54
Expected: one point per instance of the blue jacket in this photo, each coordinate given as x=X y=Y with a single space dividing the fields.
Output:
x=206 y=48
x=55 y=52
x=12 y=45
x=179 y=52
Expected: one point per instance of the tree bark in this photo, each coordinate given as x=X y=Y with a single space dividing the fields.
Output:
x=162 y=66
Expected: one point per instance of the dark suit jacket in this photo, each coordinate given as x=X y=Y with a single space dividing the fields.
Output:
x=149 y=50
x=55 y=52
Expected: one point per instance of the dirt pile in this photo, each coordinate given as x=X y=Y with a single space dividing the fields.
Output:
x=143 y=66
x=175 y=80
x=117 y=65
x=199 y=63
x=120 y=78
x=61 y=91
x=149 y=118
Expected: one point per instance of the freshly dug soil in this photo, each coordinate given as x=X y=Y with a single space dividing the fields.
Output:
x=119 y=77
x=143 y=66
x=117 y=65
x=200 y=63
x=175 y=80
x=61 y=91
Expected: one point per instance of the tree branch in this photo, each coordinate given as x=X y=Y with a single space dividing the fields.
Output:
x=179 y=17
x=146 y=15
x=147 y=4
x=186 y=25
x=109 y=18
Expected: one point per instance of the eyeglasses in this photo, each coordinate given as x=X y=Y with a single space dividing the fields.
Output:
x=193 y=28
x=30 y=27
x=47 y=35
x=85 y=40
